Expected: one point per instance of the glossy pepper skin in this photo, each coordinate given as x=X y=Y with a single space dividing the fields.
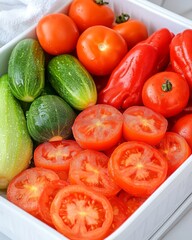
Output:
x=181 y=54
x=125 y=83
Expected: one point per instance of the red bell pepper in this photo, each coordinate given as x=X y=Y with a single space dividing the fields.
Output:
x=161 y=40
x=126 y=81
x=125 y=84
x=181 y=54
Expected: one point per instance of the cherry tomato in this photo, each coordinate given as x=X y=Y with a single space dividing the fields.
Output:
x=166 y=93
x=90 y=168
x=98 y=127
x=80 y=213
x=46 y=198
x=138 y=168
x=183 y=126
x=57 y=33
x=143 y=124
x=25 y=188
x=132 y=30
x=56 y=155
x=119 y=213
x=87 y=13
x=100 y=49
x=175 y=149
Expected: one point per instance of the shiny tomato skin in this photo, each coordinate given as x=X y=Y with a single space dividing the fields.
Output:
x=170 y=101
x=90 y=168
x=87 y=13
x=25 y=188
x=46 y=198
x=56 y=155
x=175 y=149
x=80 y=213
x=143 y=124
x=98 y=127
x=100 y=49
x=183 y=126
x=138 y=168
x=133 y=31
x=57 y=33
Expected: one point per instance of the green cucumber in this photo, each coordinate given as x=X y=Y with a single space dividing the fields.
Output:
x=72 y=81
x=16 y=146
x=50 y=118
x=26 y=70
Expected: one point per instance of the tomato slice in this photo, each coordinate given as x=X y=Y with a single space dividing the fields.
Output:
x=132 y=203
x=138 y=168
x=143 y=124
x=119 y=213
x=80 y=213
x=25 y=189
x=90 y=168
x=47 y=197
x=175 y=149
x=56 y=155
x=98 y=127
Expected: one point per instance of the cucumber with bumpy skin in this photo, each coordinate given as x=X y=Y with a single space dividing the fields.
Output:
x=16 y=146
x=72 y=81
x=50 y=118
x=26 y=70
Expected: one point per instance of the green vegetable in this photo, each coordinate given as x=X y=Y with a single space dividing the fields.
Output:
x=16 y=146
x=72 y=81
x=26 y=70
x=50 y=118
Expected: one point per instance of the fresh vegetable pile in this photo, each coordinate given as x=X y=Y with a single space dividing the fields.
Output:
x=95 y=115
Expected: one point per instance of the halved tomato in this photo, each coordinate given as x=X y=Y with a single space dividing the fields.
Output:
x=138 y=168
x=56 y=155
x=119 y=213
x=90 y=168
x=47 y=197
x=98 y=127
x=175 y=149
x=80 y=213
x=143 y=124
x=25 y=189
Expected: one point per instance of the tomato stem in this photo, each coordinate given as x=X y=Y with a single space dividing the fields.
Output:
x=167 y=86
x=124 y=17
x=101 y=2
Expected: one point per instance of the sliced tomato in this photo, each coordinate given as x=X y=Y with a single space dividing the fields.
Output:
x=80 y=213
x=90 y=168
x=56 y=155
x=119 y=213
x=47 y=197
x=25 y=189
x=138 y=168
x=143 y=124
x=175 y=149
x=132 y=203
x=98 y=127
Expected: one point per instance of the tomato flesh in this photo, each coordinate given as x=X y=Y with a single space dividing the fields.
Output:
x=80 y=213
x=138 y=168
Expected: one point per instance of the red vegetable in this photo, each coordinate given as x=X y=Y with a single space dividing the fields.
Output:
x=181 y=54
x=126 y=81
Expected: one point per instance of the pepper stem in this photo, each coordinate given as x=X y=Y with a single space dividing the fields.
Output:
x=124 y=17
x=101 y=2
x=167 y=86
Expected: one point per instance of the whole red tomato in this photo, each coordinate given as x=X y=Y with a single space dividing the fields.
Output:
x=132 y=30
x=166 y=93
x=87 y=13
x=100 y=49
x=57 y=33
x=183 y=126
